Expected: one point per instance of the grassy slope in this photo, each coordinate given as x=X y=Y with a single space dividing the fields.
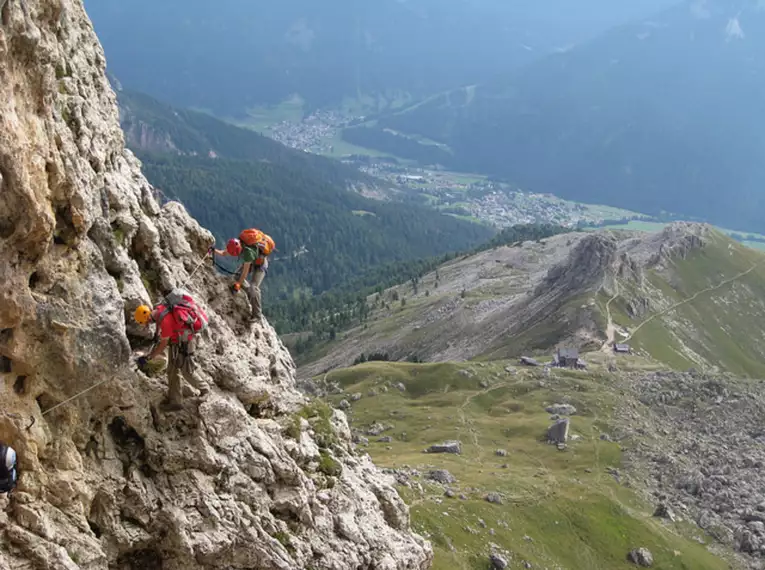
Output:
x=724 y=326
x=575 y=513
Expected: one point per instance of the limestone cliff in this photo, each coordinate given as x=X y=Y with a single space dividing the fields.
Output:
x=237 y=480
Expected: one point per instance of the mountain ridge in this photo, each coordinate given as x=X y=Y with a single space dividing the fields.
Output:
x=576 y=289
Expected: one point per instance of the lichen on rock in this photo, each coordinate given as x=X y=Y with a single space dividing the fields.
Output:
x=109 y=480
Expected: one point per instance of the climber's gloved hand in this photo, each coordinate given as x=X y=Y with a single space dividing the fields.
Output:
x=235 y=288
x=142 y=362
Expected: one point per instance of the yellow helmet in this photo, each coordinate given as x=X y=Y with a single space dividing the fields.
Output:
x=143 y=315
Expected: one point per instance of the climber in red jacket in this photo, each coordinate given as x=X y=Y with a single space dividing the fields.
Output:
x=178 y=319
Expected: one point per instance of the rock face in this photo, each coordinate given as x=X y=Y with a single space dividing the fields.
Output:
x=237 y=480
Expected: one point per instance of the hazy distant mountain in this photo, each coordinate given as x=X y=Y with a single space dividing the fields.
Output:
x=667 y=114
x=230 y=55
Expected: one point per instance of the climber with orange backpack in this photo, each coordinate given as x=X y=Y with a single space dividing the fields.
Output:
x=178 y=319
x=252 y=248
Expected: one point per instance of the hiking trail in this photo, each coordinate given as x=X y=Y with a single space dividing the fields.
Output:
x=692 y=298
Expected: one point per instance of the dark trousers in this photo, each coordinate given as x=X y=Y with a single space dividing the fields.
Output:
x=180 y=362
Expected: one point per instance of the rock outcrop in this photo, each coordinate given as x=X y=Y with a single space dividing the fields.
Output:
x=641 y=557
x=558 y=432
x=561 y=410
x=446 y=447
x=236 y=480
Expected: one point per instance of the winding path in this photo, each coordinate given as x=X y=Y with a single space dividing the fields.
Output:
x=468 y=423
x=691 y=298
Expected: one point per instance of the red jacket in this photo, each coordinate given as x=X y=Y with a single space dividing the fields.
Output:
x=169 y=327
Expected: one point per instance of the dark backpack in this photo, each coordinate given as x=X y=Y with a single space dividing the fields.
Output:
x=8 y=474
x=186 y=311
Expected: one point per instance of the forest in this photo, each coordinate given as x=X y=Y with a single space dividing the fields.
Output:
x=325 y=235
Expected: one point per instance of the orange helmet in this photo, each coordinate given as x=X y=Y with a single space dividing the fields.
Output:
x=234 y=247
x=143 y=315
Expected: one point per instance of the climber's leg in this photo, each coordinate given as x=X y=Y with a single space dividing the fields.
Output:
x=175 y=394
x=187 y=367
x=254 y=290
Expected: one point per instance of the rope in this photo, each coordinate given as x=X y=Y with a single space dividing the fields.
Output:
x=185 y=283
x=219 y=266
x=78 y=394
x=197 y=268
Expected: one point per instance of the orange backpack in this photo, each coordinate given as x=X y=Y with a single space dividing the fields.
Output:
x=254 y=237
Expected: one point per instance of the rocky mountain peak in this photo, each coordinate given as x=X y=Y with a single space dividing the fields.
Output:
x=584 y=266
x=238 y=479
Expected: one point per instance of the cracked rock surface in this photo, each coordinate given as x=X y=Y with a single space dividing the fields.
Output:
x=108 y=481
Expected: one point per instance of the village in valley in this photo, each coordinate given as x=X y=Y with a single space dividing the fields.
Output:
x=490 y=201
x=315 y=133
x=466 y=195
